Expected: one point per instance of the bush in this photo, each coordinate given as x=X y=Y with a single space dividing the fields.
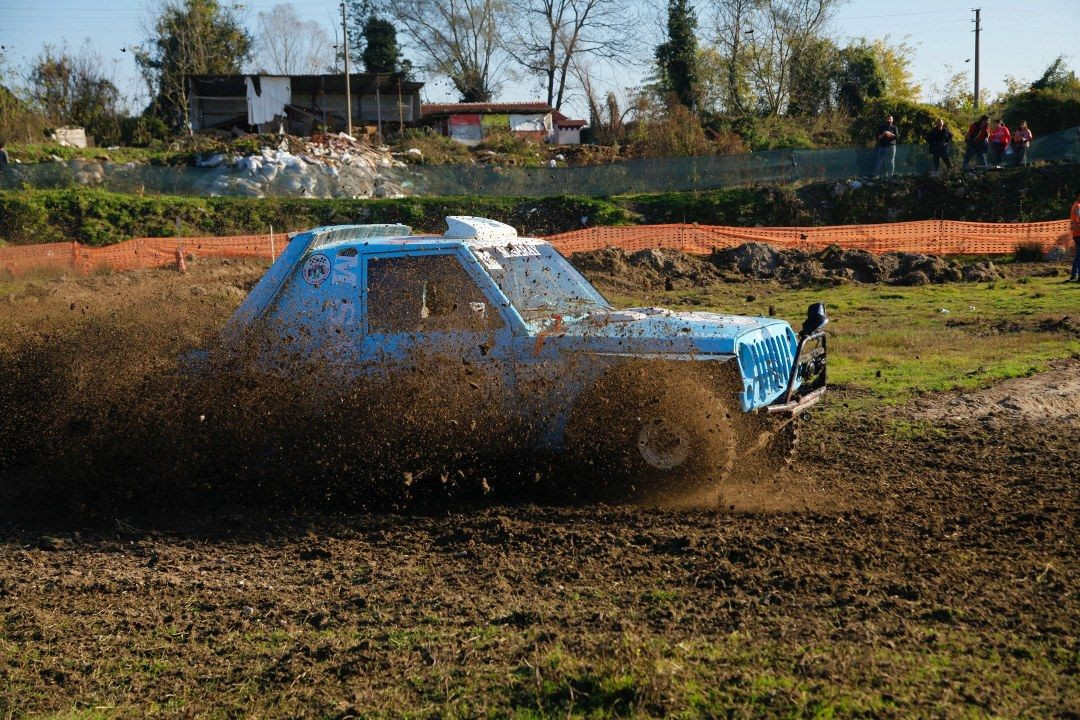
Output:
x=25 y=219
x=1046 y=111
x=1029 y=251
x=913 y=120
x=435 y=148
x=142 y=130
x=677 y=132
x=513 y=149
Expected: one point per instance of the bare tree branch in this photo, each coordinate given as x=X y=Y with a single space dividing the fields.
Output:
x=550 y=34
x=287 y=45
x=460 y=39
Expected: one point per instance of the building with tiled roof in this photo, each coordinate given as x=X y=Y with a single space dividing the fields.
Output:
x=469 y=123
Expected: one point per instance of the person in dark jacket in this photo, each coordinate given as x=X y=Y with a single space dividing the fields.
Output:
x=940 y=139
x=977 y=141
x=886 y=147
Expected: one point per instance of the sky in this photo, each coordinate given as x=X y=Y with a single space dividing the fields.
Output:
x=1018 y=39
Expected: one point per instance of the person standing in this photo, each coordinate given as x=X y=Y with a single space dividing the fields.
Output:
x=977 y=141
x=1074 y=226
x=886 y=147
x=999 y=141
x=940 y=138
x=1021 y=142
x=4 y=159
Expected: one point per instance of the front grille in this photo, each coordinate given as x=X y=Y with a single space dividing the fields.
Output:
x=765 y=362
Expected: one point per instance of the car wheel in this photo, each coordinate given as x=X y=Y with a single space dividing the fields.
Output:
x=650 y=432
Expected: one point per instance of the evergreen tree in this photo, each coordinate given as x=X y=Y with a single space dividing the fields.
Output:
x=677 y=59
x=381 y=54
x=190 y=37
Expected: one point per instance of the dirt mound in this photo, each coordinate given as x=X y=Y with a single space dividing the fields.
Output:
x=673 y=270
x=646 y=269
x=1053 y=395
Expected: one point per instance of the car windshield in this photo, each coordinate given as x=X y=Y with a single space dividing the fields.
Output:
x=539 y=281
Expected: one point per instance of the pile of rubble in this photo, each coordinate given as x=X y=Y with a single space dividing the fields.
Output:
x=322 y=165
x=671 y=270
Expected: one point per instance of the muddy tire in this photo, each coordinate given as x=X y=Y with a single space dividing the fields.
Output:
x=650 y=432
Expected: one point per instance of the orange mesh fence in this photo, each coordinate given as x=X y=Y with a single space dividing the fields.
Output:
x=939 y=237
x=137 y=253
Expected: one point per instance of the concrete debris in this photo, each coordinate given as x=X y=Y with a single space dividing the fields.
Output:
x=320 y=166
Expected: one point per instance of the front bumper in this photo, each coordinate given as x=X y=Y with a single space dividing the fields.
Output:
x=809 y=371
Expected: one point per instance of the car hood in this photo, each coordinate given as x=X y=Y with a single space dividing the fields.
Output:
x=650 y=330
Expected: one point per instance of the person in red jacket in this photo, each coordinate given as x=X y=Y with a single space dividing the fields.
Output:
x=1074 y=225
x=1000 y=137
x=977 y=141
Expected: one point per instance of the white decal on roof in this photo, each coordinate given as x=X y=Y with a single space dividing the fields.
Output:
x=487 y=261
x=511 y=250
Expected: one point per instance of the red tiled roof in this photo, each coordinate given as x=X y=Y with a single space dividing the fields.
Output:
x=484 y=108
x=563 y=121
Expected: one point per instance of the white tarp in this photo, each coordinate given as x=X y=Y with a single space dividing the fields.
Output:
x=274 y=94
x=70 y=136
x=538 y=122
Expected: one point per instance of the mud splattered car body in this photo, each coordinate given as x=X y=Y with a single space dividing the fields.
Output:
x=366 y=299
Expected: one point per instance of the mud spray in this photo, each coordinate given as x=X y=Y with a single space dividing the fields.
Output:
x=103 y=417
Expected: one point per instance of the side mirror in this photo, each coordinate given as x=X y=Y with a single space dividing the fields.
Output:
x=815 y=319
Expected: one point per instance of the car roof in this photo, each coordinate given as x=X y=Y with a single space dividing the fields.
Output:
x=462 y=231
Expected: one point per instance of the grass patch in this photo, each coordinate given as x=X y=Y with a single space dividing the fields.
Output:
x=890 y=342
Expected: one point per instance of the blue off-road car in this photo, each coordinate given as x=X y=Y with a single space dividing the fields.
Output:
x=664 y=398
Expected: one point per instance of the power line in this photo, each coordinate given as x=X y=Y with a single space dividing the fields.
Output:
x=925 y=12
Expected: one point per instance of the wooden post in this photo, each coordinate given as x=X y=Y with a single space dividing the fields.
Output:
x=378 y=104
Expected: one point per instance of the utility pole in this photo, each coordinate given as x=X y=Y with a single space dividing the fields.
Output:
x=978 y=28
x=348 y=88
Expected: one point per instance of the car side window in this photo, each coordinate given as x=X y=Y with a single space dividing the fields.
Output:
x=425 y=293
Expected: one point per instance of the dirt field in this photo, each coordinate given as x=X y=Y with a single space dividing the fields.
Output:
x=920 y=559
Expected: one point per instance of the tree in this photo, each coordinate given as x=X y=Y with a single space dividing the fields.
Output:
x=459 y=39
x=189 y=37
x=72 y=89
x=17 y=118
x=1057 y=77
x=780 y=29
x=551 y=34
x=373 y=39
x=677 y=59
x=381 y=54
x=894 y=60
x=954 y=93
x=731 y=18
x=859 y=80
x=815 y=67
x=1049 y=104
x=287 y=45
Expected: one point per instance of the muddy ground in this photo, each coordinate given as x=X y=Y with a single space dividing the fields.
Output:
x=916 y=562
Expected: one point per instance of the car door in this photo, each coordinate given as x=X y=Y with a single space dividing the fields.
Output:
x=425 y=312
